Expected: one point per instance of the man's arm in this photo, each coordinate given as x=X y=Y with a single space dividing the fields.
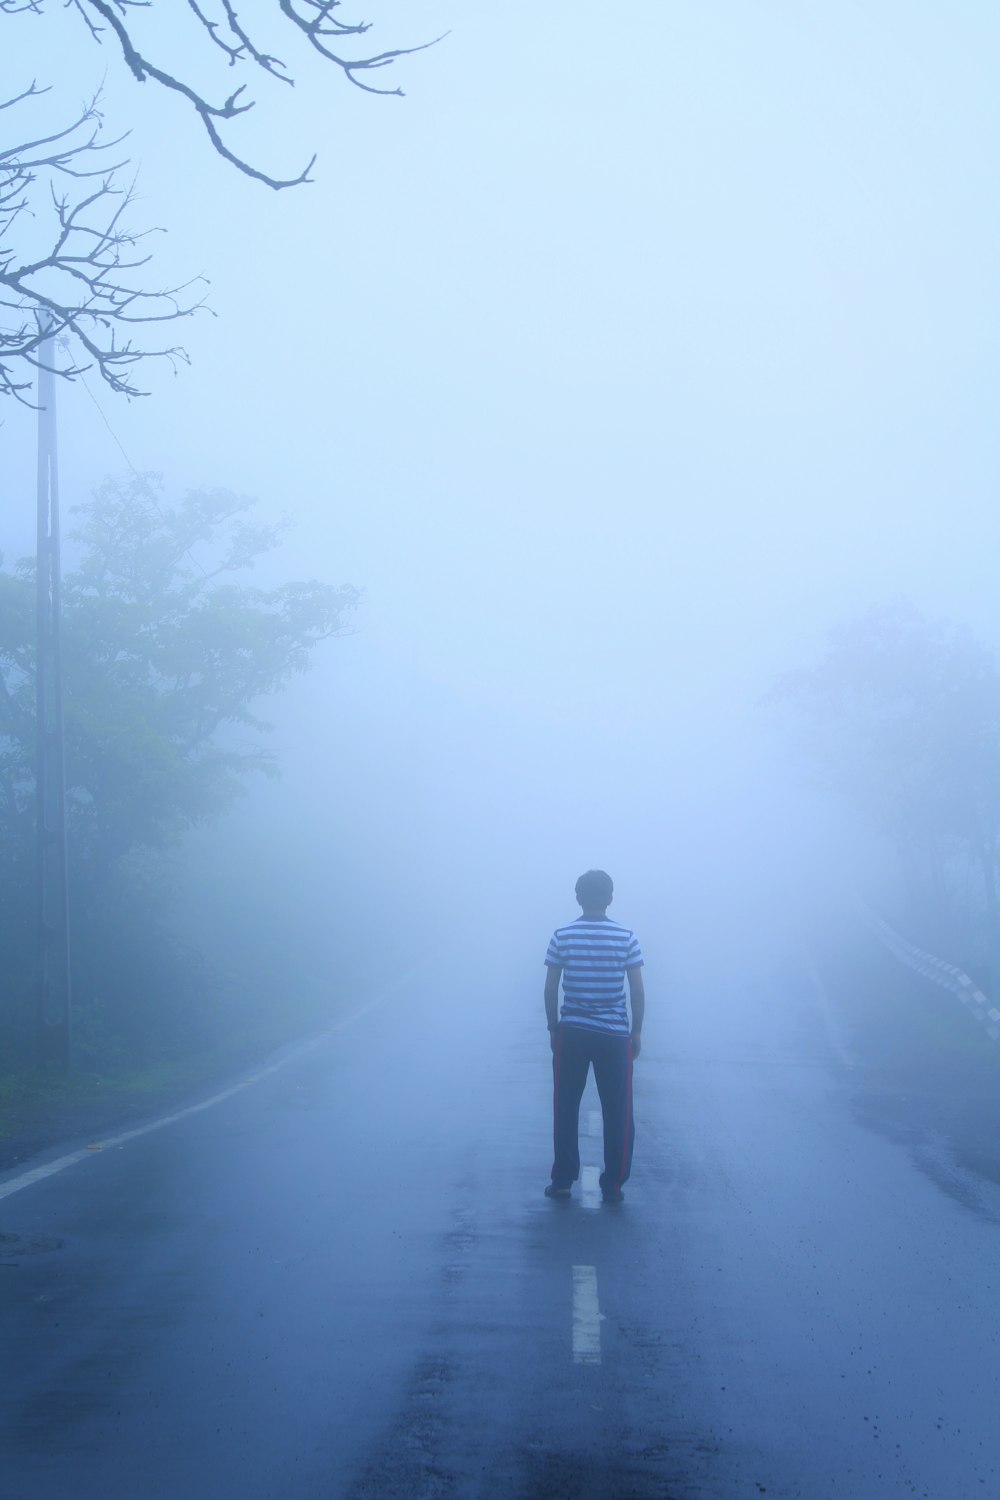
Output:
x=552 y=976
x=637 y=1000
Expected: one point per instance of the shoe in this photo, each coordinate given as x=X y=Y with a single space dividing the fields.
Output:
x=613 y=1195
x=558 y=1192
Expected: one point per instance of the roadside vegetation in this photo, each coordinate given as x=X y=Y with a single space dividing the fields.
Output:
x=900 y=724
x=169 y=654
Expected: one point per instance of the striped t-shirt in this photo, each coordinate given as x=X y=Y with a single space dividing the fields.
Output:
x=594 y=953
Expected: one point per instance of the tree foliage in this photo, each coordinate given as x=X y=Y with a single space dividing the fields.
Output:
x=163 y=654
x=167 y=657
x=902 y=718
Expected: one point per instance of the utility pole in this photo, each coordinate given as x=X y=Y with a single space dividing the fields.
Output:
x=54 y=1006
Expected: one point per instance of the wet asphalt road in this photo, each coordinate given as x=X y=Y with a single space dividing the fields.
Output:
x=343 y=1281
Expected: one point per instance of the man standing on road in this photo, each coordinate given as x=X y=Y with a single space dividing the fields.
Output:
x=593 y=955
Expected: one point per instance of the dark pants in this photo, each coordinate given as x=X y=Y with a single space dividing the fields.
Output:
x=575 y=1050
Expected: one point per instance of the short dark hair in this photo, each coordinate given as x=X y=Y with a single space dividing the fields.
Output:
x=594 y=890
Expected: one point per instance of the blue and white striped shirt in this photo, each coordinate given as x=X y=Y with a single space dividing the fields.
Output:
x=594 y=954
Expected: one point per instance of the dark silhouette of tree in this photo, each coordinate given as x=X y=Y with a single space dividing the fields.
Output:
x=163 y=651
x=216 y=30
x=70 y=266
x=168 y=654
x=73 y=271
x=902 y=719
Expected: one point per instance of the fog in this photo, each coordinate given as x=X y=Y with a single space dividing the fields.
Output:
x=639 y=367
x=618 y=362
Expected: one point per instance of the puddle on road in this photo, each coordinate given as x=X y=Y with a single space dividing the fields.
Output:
x=937 y=1160
x=13 y=1247
x=573 y=1476
x=955 y=1154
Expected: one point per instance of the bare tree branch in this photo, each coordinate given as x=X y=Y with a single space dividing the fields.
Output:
x=272 y=65
x=68 y=252
x=83 y=278
x=25 y=94
x=316 y=21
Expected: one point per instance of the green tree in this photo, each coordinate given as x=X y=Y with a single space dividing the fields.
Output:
x=902 y=718
x=166 y=657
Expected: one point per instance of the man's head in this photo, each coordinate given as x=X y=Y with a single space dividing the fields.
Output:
x=595 y=890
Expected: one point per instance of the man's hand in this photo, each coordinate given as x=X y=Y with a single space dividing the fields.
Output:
x=552 y=974
x=637 y=1000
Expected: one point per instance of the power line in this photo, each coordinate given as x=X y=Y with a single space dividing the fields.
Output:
x=143 y=480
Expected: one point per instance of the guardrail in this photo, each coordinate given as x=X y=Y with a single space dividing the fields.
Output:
x=948 y=976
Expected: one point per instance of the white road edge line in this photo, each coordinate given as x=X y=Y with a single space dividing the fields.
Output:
x=587 y=1317
x=86 y=1153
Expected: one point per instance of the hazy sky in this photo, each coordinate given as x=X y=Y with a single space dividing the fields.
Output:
x=617 y=361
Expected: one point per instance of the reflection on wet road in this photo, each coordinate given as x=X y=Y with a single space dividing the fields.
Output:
x=343 y=1281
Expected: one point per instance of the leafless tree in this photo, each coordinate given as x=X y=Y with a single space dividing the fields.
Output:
x=71 y=290
x=216 y=25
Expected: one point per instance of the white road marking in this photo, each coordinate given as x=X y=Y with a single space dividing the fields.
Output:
x=88 y=1153
x=587 y=1317
x=590 y=1186
x=595 y=1123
